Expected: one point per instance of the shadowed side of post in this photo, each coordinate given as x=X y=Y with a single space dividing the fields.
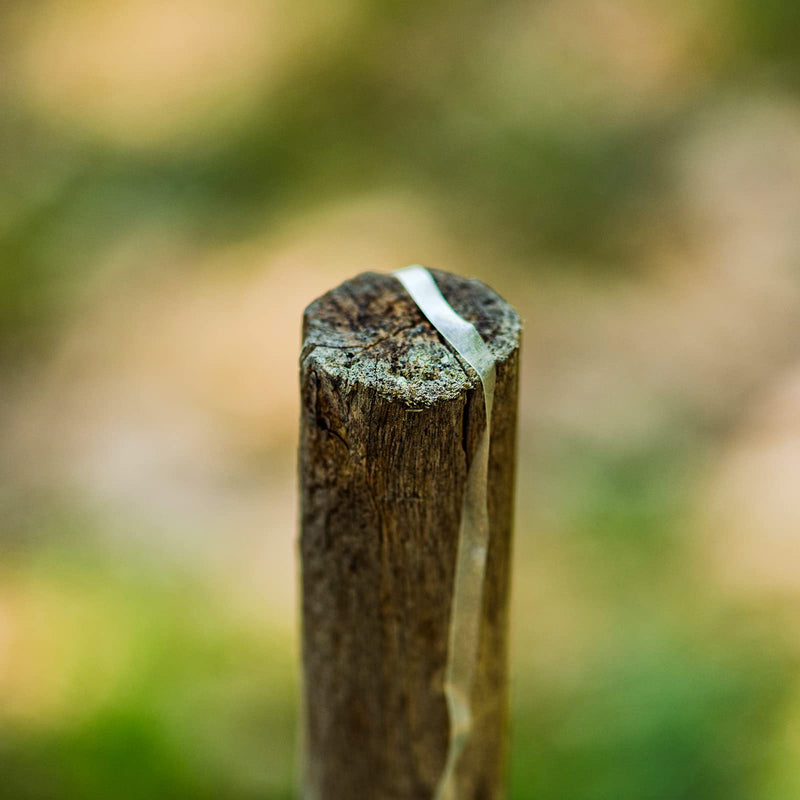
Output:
x=390 y=421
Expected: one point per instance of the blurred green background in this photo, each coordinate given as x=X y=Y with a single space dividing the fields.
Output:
x=178 y=180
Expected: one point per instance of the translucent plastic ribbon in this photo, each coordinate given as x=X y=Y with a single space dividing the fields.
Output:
x=473 y=537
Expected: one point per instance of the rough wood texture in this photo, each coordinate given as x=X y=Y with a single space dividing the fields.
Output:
x=390 y=420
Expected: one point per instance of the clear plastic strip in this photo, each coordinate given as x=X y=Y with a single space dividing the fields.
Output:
x=473 y=537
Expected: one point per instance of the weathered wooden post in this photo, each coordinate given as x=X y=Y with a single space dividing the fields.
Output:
x=390 y=423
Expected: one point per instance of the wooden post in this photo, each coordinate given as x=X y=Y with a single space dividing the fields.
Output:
x=390 y=420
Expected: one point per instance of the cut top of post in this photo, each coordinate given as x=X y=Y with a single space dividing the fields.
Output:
x=369 y=331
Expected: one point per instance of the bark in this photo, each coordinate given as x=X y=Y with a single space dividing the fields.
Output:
x=389 y=423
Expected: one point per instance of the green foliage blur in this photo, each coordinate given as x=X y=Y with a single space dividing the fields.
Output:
x=167 y=172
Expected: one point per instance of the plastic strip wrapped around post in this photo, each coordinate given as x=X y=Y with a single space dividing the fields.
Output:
x=473 y=539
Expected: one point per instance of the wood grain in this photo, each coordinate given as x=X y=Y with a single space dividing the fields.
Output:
x=389 y=424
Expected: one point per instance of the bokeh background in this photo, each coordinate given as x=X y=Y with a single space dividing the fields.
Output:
x=178 y=180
